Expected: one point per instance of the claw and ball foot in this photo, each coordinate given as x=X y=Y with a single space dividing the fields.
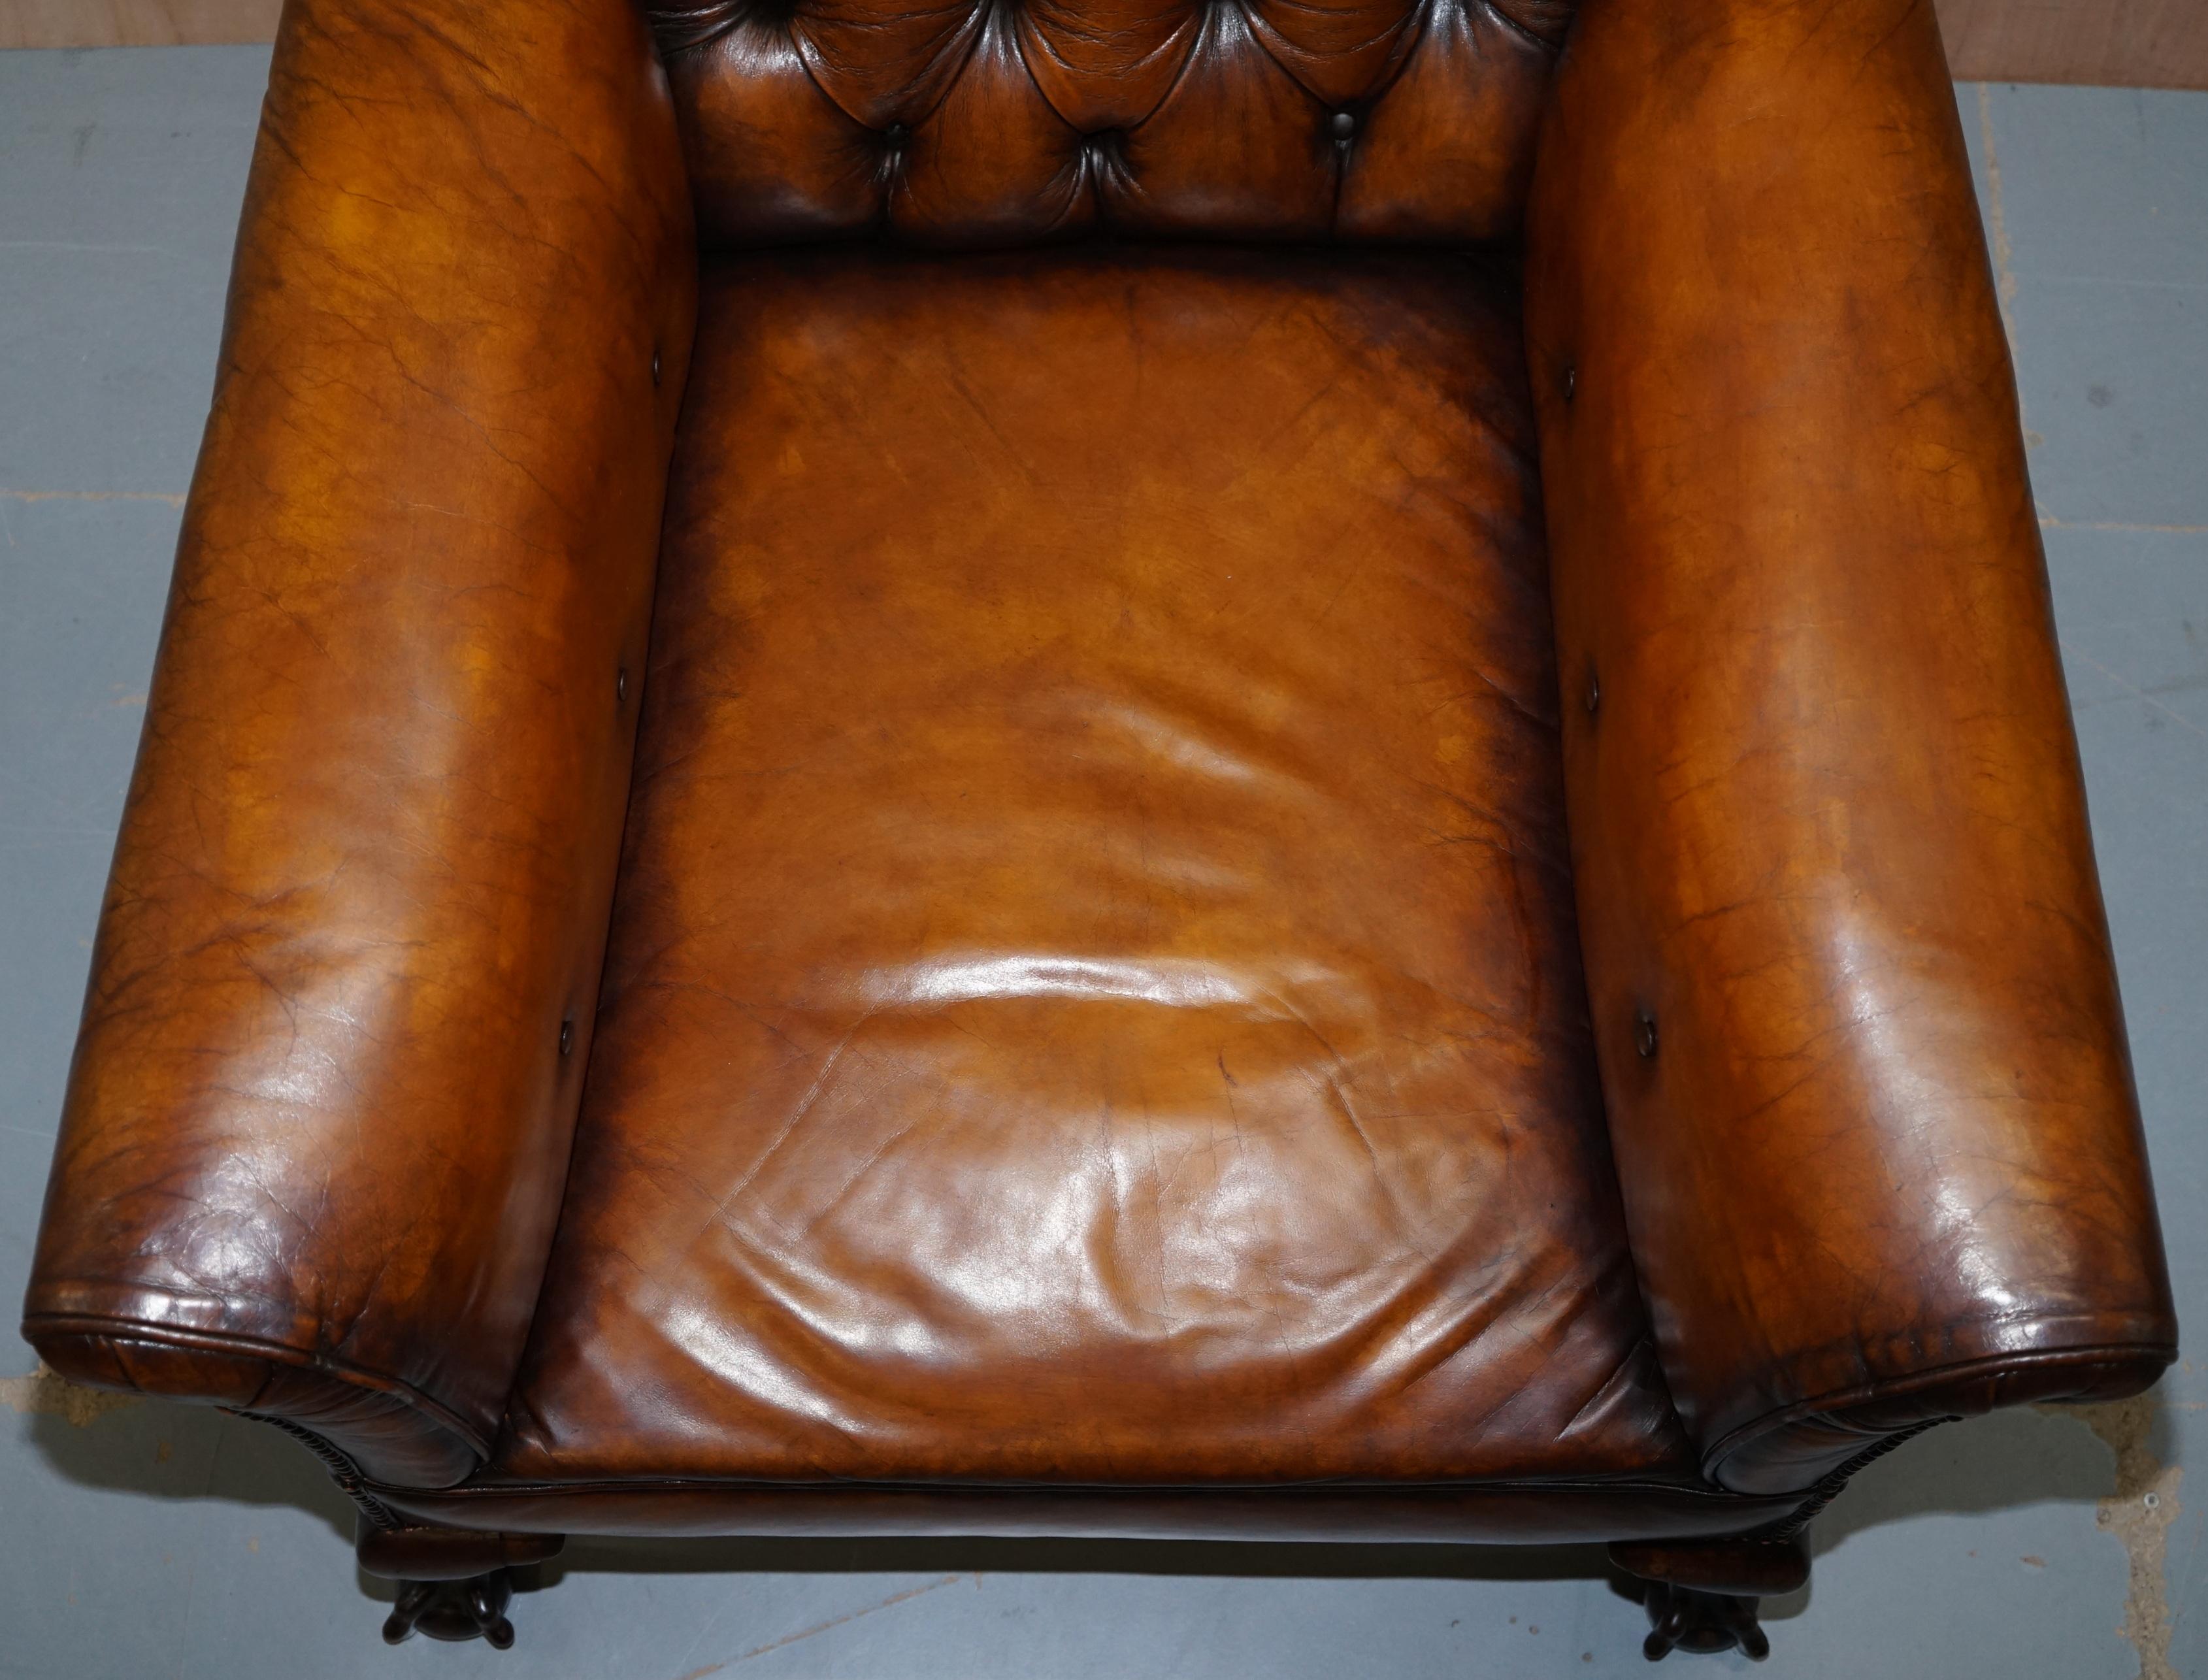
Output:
x=454 y=1583
x=1685 y=1618
x=1702 y=1595
x=455 y=1610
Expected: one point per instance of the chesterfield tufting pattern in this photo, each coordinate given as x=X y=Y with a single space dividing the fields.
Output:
x=1005 y=121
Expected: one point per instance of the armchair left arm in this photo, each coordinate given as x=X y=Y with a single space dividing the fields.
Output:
x=1862 y=1059
x=319 y=1122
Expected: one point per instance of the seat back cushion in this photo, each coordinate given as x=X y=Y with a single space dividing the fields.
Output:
x=1094 y=993
x=1007 y=122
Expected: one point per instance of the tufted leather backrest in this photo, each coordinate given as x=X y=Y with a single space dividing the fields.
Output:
x=1005 y=121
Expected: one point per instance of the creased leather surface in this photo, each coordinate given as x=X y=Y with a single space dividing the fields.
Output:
x=1827 y=817
x=320 y=1114
x=1093 y=993
x=1004 y=121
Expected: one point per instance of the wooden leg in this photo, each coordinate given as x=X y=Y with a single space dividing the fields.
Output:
x=1702 y=1595
x=454 y=1583
x=454 y=1610
x=1685 y=1618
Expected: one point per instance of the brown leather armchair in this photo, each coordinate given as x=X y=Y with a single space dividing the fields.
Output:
x=1137 y=767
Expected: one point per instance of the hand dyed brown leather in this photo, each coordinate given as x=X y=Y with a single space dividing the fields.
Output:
x=1860 y=1047
x=1266 y=886
x=1114 y=1036
x=973 y=123
x=341 y=1000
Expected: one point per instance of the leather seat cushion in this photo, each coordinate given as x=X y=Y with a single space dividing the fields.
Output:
x=1094 y=995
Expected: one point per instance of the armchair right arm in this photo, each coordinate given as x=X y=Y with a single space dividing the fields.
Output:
x=319 y=1121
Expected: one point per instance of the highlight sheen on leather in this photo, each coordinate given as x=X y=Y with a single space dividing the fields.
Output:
x=1829 y=829
x=1094 y=991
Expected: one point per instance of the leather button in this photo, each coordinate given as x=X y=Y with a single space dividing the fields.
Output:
x=1644 y=1034
x=655 y=369
x=1593 y=692
x=1342 y=125
x=566 y=1037
x=1571 y=381
x=621 y=684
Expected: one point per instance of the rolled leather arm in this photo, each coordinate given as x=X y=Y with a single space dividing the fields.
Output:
x=318 y=1120
x=1861 y=1048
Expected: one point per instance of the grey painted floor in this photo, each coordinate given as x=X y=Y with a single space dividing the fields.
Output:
x=140 y=1538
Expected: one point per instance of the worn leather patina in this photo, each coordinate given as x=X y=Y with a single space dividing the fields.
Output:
x=1311 y=782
